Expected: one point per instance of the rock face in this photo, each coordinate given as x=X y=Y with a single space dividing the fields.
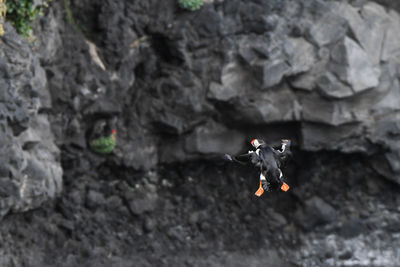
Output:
x=328 y=66
x=30 y=165
x=187 y=87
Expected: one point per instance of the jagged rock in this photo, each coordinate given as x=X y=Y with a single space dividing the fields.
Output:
x=208 y=23
x=368 y=24
x=176 y=103
x=329 y=29
x=359 y=71
x=303 y=82
x=317 y=137
x=318 y=110
x=252 y=47
x=234 y=81
x=254 y=19
x=30 y=159
x=377 y=20
x=303 y=55
x=330 y=86
x=276 y=105
x=270 y=73
x=272 y=47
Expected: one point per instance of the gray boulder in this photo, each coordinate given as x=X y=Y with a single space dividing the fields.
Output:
x=359 y=72
x=272 y=72
x=329 y=85
x=234 y=81
x=329 y=29
x=302 y=55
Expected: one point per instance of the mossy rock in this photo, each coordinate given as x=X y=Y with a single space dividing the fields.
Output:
x=191 y=5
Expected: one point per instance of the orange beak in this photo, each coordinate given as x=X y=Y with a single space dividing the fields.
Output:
x=252 y=142
x=285 y=187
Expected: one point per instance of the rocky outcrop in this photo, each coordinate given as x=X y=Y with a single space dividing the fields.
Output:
x=329 y=67
x=30 y=161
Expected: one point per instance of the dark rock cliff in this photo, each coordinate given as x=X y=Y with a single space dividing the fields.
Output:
x=186 y=87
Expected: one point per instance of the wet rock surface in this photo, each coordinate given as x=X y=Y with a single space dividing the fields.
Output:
x=184 y=88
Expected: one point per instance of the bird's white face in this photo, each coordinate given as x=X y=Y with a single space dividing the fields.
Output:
x=255 y=143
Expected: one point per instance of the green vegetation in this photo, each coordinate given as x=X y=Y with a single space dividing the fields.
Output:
x=191 y=5
x=3 y=11
x=70 y=16
x=22 y=13
x=104 y=145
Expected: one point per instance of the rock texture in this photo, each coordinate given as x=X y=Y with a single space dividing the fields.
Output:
x=187 y=87
x=198 y=81
x=30 y=161
x=201 y=214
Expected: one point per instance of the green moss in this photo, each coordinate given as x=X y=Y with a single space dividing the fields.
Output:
x=191 y=5
x=22 y=14
x=103 y=145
